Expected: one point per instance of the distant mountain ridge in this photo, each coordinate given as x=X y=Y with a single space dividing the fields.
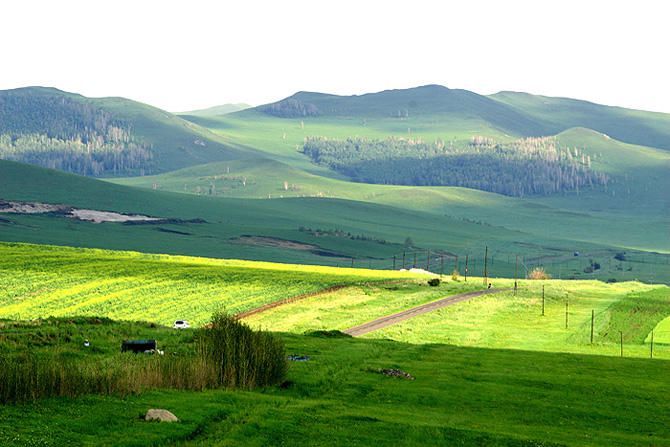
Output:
x=515 y=114
x=427 y=100
x=117 y=137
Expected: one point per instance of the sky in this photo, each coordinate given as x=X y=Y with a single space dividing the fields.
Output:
x=194 y=54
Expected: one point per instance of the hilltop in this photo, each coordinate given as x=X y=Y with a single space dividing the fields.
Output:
x=510 y=113
x=102 y=137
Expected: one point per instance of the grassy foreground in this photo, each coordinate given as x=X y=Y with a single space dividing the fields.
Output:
x=459 y=396
x=490 y=371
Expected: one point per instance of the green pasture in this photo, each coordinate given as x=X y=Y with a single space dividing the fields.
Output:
x=631 y=212
x=591 y=217
x=488 y=371
x=503 y=320
x=43 y=281
x=459 y=396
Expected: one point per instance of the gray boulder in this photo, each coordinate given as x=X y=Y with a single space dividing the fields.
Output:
x=160 y=415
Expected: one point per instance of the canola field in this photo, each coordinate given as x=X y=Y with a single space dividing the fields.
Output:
x=38 y=281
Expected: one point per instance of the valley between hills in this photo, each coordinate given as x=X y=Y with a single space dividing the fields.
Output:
x=328 y=212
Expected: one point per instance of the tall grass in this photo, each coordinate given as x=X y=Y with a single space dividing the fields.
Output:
x=243 y=358
x=230 y=355
x=28 y=377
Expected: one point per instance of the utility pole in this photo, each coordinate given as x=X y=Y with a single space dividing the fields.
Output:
x=394 y=261
x=593 y=317
x=441 y=265
x=486 y=261
x=403 y=260
x=516 y=276
x=466 y=267
x=428 y=264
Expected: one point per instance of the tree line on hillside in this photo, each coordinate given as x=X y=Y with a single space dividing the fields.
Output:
x=59 y=132
x=517 y=168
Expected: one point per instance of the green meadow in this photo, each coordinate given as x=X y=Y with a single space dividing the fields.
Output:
x=41 y=281
x=488 y=371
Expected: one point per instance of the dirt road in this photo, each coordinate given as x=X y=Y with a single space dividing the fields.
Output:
x=415 y=311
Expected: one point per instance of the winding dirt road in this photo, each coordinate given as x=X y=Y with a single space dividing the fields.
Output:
x=388 y=320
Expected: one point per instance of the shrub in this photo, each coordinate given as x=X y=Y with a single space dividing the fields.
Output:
x=434 y=282
x=455 y=274
x=538 y=273
x=242 y=357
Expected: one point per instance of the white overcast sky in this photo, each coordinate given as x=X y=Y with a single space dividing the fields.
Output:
x=194 y=54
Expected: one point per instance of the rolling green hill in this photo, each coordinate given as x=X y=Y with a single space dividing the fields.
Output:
x=510 y=113
x=558 y=114
x=102 y=137
x=330 y=231
x=638 y=219
x=430 y=100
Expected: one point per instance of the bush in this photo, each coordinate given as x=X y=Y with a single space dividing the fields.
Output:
x=242 y=357
x=455 y=274
x=538 y=273
x=434 y=282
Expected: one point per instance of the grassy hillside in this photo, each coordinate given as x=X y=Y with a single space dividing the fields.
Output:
x=640 y=179
x=558 y=114
x=102 y=136
x=430 y=100
x=42 y=281
x=225 y=225
x=498 y=321
x=598 y=214
x=459 y=396
x=285 y=229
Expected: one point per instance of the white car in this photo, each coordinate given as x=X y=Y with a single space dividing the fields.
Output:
x=181 y=324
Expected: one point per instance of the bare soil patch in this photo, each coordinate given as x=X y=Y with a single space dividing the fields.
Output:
x=70 y=211
x=273 y=242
